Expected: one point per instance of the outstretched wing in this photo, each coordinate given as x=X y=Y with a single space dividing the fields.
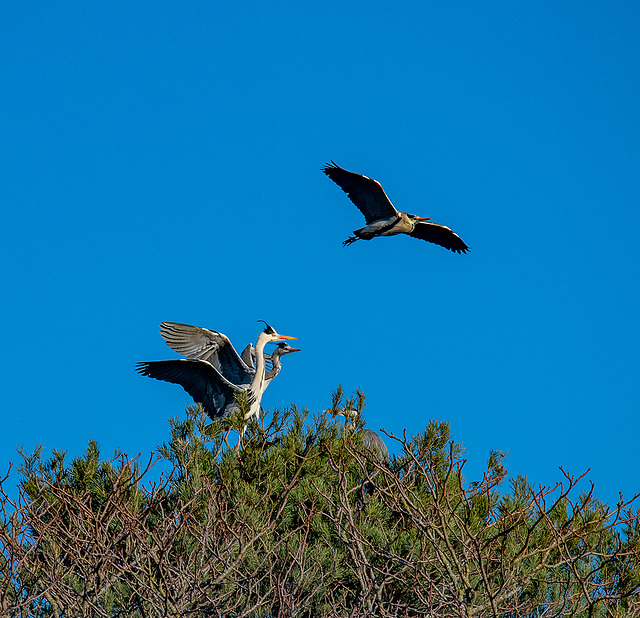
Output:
x=248 y=356
x=440 y=235
x=199 y=378
x=199 y=343
x=367 y=194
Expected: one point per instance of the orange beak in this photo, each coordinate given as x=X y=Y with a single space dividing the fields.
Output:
x=423 y=218
x=286 y=337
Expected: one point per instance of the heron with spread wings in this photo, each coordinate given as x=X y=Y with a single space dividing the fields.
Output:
x=199 y=343
x=381 y=216
x=206 y=383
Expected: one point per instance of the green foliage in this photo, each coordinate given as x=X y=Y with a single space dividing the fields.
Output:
x=302 y=521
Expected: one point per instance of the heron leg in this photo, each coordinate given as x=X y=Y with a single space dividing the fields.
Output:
x=349 y=241
x=241 y=437
x=226 y=437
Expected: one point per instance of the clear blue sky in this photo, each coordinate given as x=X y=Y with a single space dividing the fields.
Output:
x=161 y=161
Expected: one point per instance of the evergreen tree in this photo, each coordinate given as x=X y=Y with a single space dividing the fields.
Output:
x=303 y=521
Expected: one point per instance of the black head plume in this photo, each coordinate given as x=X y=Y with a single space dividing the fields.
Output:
x=268 y=329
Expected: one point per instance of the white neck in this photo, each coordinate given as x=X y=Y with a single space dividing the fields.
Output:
x=258 y=378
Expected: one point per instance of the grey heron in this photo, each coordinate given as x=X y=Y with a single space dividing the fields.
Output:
x=381 y=216
x=199 y=343
x=206 y=384
x=370 y=440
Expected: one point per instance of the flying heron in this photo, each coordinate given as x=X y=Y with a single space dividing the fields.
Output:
x=199 y=343
x=208 y=386
x=381 y=216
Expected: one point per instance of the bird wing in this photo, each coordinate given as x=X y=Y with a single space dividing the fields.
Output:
x=440 y=235
x=199 y=343
x=199 y=378
x=249 y=356
x=367 y=194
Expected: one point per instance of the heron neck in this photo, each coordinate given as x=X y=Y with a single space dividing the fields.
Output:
x=258 y=378
x=408 y=221
x=275 y=361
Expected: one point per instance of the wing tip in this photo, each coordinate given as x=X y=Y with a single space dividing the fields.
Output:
x=142 y=367
x=328 y=167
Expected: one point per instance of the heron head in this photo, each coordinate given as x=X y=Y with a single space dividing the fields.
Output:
x=271 y=334
x=346 y=412
x=284 y=348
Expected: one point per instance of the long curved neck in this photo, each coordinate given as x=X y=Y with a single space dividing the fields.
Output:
x=258 y=378
x=275 y=361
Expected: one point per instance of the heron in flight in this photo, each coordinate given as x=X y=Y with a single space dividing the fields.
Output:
x=370 y=440
x=381 y=216
x=208 y=386
x=199 y=343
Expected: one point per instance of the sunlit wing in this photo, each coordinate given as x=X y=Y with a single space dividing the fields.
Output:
x=367 y=194
x=199 y=343
x=439 y=235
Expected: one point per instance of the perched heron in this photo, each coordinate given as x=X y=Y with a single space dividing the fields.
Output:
x=199 y=343
x=381 y=216
x=370 y=440
x=206 y=384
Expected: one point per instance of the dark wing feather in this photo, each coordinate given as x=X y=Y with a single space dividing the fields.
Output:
x=440 y=235
x=248 y=356
x=200 y=379
x=367 y=194
x=199 y=343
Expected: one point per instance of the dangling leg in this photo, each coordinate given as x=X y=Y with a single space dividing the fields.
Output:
x=226 y=437
x=240 y=437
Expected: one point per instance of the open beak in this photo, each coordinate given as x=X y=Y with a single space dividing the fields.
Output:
x=285 y=337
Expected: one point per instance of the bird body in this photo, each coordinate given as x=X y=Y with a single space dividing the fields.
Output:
x=381 y=216
x=206 y=383
x=370 y=440
x=373 y=442
x=400 y=223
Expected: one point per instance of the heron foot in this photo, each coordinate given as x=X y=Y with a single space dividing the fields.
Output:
x=349 y=240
